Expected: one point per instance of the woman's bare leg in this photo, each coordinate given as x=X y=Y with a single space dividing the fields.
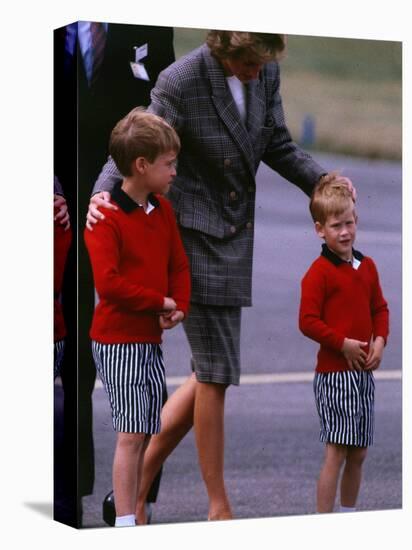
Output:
x=209 y=431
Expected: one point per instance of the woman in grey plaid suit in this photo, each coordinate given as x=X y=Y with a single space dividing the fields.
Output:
x=223 y=99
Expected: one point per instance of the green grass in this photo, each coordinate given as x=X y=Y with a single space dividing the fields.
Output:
x=352 y=88
x=353 y=59
x=188 y=39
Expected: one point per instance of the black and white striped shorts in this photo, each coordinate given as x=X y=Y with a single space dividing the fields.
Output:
x=213 y=333
x=345 y=403
x=133 y=376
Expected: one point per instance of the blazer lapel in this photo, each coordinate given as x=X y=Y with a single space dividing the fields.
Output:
x=226 y=108
x=256 y=109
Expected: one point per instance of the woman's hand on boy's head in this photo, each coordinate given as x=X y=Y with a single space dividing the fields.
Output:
x=344 y=180
x=351 y=188
x=99 y=200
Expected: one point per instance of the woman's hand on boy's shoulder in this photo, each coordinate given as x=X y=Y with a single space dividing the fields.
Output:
x=99 y=200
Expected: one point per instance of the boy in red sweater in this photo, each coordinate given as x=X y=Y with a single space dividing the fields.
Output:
x=141 y=275
x=342 y=308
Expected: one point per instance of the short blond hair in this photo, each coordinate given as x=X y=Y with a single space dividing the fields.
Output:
x=231 y=44
x=330 y=197
x=141 y=134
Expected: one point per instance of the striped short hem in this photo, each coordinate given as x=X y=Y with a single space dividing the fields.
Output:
x=339 y=439
x=136 y=427
x=213 y=333
x=345 y=405
x=133 y=376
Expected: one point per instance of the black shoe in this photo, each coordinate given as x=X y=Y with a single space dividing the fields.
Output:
x=109 y=510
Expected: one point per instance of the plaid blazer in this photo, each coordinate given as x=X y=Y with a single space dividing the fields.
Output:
x=214 y=192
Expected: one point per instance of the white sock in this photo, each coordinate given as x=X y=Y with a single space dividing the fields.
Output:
x=347 y=509
x=125 y=521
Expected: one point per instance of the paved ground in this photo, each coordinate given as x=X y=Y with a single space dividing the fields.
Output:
x=272 y=452
x=272 y=457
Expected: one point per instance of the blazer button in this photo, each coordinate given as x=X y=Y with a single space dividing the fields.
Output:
x=249 y=225
x=233 y=195
x=227 y=162
x=232 y=229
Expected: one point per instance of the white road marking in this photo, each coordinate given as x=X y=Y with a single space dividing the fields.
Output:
x=277 y=378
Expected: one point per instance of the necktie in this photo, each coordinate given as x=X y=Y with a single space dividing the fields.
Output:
x=98 y=35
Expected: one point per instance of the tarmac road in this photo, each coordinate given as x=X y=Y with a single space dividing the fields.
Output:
x=272 y=455
x=272 y=450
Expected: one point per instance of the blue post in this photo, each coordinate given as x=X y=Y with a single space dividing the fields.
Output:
x=308 y=131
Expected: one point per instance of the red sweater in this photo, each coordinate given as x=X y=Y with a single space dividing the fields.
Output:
x=61 y=244
x=137 y=260
x=341 y=302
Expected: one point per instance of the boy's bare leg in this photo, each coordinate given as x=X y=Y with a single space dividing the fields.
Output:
x=209 y=431
x=129 y=448
x=352 y=476
x=176 y=419
x=329 y=475
x=140 y=469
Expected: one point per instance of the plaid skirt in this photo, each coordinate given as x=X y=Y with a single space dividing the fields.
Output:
x=213 y=333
